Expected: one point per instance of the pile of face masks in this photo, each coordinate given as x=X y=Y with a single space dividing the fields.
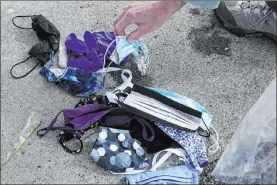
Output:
x=126 y=137
x=132 y=121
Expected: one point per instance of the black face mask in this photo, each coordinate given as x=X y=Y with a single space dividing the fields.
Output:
x=50 y=37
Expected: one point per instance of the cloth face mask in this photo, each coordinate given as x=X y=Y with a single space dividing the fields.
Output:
x=50 y=37
x=181 y=174
x=116 y=151
x=193 y=144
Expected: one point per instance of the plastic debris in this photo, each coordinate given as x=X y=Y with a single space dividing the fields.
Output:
x=250 y=156
x=33 y=122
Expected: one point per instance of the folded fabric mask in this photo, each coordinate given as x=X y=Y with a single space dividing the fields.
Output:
x=181 y=174
x=181 y=116
x=193 y=144
x=80 y=119
x=138 y=126
x=117 y=151
x=125 y=48
x=48 y=34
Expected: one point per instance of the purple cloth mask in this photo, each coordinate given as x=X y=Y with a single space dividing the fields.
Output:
x=81 y=118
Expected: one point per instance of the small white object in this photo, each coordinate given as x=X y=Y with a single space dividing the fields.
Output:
x=129 y=169
x=62 y=62
x=136 y=145
x=113 y=147
x=102 y=136
x=121 y=137
x=101 y=151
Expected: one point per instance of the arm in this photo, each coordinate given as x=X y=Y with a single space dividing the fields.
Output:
x=149 y=16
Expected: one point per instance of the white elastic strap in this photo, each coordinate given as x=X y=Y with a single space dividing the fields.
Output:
x=127 y=83
x=177 y=151
x=216 y=144
x=112 y=97
x=104 y=60
x=147 y=56
x=128 y=173
x=108 y=69
x=127 y=80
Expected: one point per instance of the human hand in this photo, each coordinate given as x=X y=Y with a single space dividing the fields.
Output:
x=148 y=16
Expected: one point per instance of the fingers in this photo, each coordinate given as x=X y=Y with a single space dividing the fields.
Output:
x=126 y=20
x=138 y=33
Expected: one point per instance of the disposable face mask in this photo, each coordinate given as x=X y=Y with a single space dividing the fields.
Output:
x=125 y=48
x=48 y=34
x=166 y=107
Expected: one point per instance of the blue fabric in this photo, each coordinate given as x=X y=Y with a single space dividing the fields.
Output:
x=192 y=142
x=125 y=48
x=117 y=151
x=73 y=80
x=204 y=4
x=181 y=174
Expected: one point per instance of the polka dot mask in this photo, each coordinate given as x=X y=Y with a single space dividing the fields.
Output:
x=117 y=151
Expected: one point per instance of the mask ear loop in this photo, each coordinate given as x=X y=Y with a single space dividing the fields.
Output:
x=216 y=144
x=18 y=77
x=208 y=131
x=18 y=17
x=104 y=60
x=147 y=56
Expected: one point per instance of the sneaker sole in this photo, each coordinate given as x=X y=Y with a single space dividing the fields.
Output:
x=242 y=32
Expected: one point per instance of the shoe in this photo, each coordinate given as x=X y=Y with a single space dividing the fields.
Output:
x=244 y=18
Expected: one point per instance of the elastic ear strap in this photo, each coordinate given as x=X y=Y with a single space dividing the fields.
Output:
x=17 y=77
x=127 y=81
x=209 y=133
x=216 y=144
x=20 y=16
x=104 y=60
x=161 y=161
x=69 y=150
x=177 y=151
x=51 y=125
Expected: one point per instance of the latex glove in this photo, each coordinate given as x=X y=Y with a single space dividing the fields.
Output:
x=148 y=16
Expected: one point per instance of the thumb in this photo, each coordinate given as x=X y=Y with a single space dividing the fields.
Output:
x=137 y=34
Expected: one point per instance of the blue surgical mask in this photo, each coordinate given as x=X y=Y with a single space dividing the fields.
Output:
x=125 y=48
